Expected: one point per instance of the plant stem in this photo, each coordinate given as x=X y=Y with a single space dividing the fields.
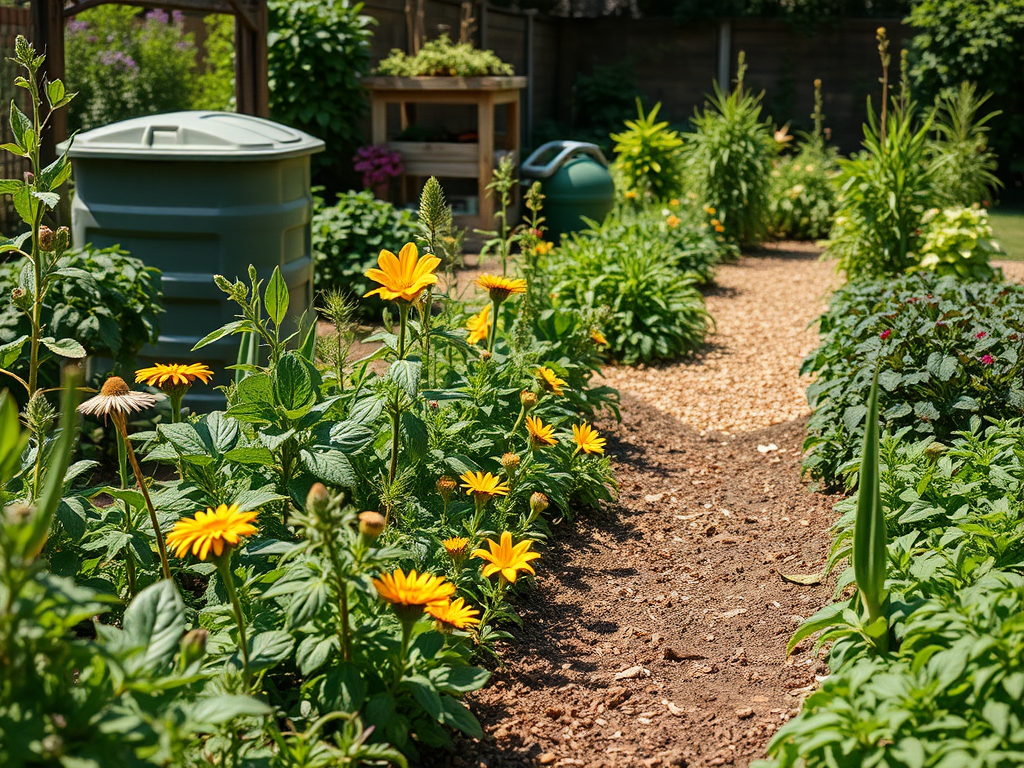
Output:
x=175 y=398
x=395 y=440
x=119 y=422
x=224 y=568
x=494 y=325
x=342 y=586
x=403 y=319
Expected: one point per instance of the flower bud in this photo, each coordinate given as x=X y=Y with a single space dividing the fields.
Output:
x=62 y=239
x=21 y=299
x=193 y=646
x=30 y=178
x=539 y=502
x=433 y=405
x=45 y=239
x=371 y=525
x=935 y=451
x=317 y=499
x=510 y=461
x=817 y=82
x=528 y=398
x=485 y=355
x=445 y=487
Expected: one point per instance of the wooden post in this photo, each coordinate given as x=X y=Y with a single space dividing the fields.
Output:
x=48 y=34
x=485 y=137
x=252 y=94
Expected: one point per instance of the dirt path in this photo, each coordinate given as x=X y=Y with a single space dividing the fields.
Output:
x=657 y=633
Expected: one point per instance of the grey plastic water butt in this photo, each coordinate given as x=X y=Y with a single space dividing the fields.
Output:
x=196 y=194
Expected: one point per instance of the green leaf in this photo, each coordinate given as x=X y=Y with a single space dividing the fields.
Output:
x=276 y=297
x=12 y=439
x=270 y=649
x=349 y=437
x=455 y=715
x=460 y=679
x=221 y=709
x=367 y=410
x=313 y=652
x=20 y=123
x=64 y=347
x=416 y=433
x=331 y=467
x=293 y=386
x=11 y=351
x=49 y=199
x=238 y=326
x=155 y=620
x=253 y=455
x=406 y=374
x=184 y=438
x=425 y=693
x=344 y=690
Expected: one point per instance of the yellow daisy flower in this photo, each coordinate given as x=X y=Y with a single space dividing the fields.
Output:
x=173 y=375
x=506 y=559
x=598 y=338
x=479 y=325
x=544 y=248
x=456 y=547
x=403 y=277
x=213 y=530
x=413 y=590
x=673 y=221
x=454 y=614
x=483 y=485
x=500 y=288
x=550 y=381
x=587 y=439
x=541 y=434
x=630 y=194
x=709 y=210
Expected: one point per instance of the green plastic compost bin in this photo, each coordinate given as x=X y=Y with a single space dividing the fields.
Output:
x=576 y=183
x=197 y=194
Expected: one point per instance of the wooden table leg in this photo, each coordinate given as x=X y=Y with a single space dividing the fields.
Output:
x=378 y=119
x=485 y=138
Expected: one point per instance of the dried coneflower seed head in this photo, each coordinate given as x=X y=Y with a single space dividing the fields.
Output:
x=371 y=524
x=116 y=399
x=446 y=487
x=114 y=386
x=528 y=398
x=317 y=499
x=510 y=461
x=539 y=502
x=45 y=239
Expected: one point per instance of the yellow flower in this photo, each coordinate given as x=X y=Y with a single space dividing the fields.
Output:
x=541 y=434
x=719 y=228
x=413 y=590
x=215 y=529
x=715 y=223
x=500 y=288
x=550 y=381
x=709 y=210
x=598 y=338
x=483 y=485
x=172 y=375
x=405 y=276
x=455 y=546
x=674 y=202
x=631 y=195
x=673 y=221
x=505 y=559
x=544 y=248
x=587 y=439
x=479 y=325
x=454 y=614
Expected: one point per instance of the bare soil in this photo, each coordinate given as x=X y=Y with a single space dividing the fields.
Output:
x=656 y=633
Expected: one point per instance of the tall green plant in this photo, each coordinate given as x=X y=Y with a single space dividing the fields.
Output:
x=649 y=155
x=869 y=535
x=729 y=161
x=966 y=162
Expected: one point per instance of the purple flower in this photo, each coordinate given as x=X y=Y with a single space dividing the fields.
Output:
x=77 y=25
x=178 y=17
x=158 y=16
x=987 y=359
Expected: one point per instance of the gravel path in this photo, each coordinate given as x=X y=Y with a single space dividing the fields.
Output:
x=745 y=378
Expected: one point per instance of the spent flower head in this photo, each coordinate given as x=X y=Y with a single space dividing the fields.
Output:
x=116 y=399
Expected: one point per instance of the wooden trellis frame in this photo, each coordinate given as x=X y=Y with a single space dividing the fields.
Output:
x=252 y=95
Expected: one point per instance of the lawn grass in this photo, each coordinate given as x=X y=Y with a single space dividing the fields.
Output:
x=1008 y=226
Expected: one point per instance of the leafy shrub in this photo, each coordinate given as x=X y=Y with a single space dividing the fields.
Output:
x=977 y=41
x=348 y=235
x=445 y=58
x=965 y=164
x=956 y=541
x=215 y=84
x=883 y=193
x=729 y=162
x=105 y=299
x=122 y=67
x=654 y=311
x=949 y=351
x=648 y=155
x=958 y=241
x=317 y=51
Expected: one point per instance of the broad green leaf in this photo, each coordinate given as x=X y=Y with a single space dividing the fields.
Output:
x=155 y=620
x=64 y=347
x=270 y=649
x=331 y=467
x=406 y=374
x=456 y=715
x=11 y=351
x=238 y=326
x=293 y=386
x=276 y=297
x=222 y=709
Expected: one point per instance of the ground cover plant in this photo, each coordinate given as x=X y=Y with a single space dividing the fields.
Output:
x=949 y=351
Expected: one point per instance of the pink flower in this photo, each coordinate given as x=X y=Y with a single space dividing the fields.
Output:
x=885 y=334
x=980 y=335
x=987 y=359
